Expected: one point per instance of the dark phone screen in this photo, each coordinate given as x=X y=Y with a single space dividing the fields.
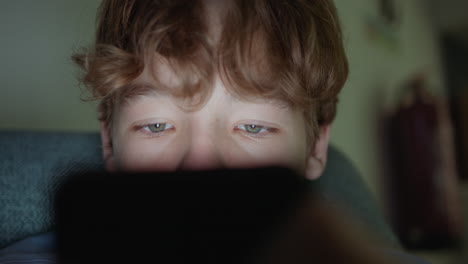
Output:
x=225 y=216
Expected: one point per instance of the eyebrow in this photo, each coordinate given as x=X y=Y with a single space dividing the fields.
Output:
x=136 y=89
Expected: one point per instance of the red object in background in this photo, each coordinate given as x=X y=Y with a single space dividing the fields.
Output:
x=423 y=191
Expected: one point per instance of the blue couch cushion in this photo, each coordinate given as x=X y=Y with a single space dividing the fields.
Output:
x=31 y=166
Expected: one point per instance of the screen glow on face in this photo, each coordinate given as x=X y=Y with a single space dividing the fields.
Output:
x=152 y=132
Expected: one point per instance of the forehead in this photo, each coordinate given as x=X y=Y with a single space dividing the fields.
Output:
x=161 y=78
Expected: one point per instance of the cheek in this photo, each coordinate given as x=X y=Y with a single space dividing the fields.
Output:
x=289 y=149
x=150 y=156
x=147 y=155
x=281 y=152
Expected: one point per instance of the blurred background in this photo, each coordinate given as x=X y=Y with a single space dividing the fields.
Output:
x=402 y=116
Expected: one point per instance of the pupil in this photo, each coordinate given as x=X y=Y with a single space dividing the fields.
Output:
x=253 y=128
x=158 y=127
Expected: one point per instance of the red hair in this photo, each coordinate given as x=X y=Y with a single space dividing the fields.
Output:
x=286 y=50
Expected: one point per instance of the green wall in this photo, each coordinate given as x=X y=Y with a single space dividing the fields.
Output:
x=377 y=71
x=39 y=90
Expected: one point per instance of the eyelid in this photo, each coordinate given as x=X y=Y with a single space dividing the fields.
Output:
x=269 y=128
x=168 y=126
x=143 y=127
x=242 y=127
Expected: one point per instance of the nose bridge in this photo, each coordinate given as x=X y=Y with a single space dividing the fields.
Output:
x=203 y=153
x=206 y=134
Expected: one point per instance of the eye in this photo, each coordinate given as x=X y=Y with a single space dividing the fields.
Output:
x=252 y=128
x=157 y=127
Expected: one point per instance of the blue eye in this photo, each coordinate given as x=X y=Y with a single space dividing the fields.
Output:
x=252 y=128
x=158 y=127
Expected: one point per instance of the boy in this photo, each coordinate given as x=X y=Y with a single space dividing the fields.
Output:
x=210 y=84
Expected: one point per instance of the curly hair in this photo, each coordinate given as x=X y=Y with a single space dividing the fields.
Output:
x=287 y=50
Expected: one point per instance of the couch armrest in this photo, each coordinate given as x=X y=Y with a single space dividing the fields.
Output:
x=31 y=166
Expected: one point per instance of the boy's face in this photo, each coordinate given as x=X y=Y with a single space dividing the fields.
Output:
x=151 y=132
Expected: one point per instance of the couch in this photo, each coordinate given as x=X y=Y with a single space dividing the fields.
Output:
x=32 y=165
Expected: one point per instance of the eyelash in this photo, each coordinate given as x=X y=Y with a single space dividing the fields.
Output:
x=243 y=128
x=147 y=129
x=264 y=130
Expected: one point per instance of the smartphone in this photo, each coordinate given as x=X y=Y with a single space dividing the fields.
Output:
x=220 y=216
